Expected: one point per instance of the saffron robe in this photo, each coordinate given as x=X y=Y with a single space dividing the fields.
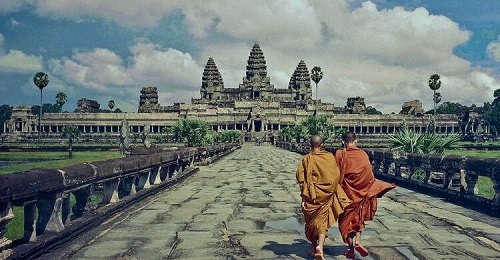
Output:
x=318 y=176
x=361 y=187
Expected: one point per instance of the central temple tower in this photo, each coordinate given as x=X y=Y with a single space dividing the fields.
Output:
x=256 y=84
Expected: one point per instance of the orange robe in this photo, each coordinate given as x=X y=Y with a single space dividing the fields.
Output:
x=361 y=187
x=318 y=176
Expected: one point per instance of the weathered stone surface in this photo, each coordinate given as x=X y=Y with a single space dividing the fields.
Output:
x=413 y=107
x=247 y=206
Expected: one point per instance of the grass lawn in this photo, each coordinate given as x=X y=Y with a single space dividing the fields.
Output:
x=475 y=153
x=52 y=159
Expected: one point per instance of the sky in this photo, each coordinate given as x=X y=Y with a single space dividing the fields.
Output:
x=382 y=50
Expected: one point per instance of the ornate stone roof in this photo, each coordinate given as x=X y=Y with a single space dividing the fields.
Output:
x=256 y=66
x=149 y=96
x=300 y=77
x=211 y=75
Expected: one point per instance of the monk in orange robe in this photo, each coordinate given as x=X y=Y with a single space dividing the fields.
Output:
x=362 y=188
x=322 y=198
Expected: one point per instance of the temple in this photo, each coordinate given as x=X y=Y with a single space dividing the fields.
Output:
x=254 y=107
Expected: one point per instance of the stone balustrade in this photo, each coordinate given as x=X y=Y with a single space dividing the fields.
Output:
x=51 y=218
x=451 y=177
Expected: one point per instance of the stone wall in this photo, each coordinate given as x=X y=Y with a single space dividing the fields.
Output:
x=45 y=194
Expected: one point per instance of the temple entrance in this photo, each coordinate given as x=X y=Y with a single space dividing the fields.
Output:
x=258 y=126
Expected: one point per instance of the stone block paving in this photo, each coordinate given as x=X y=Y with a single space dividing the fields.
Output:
x=246 y=206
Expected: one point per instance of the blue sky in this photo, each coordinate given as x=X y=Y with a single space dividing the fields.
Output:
x=382 y=50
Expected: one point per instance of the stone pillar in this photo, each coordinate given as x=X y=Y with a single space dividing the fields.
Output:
x=49 y=213
x=127 y=187
x=29 y=221
x=65 y=211
x=6 y=216
x=111 y=192
x=143 y=182
x=495 y=177
x=468 y=181
x=81 y=197
x=156 y=175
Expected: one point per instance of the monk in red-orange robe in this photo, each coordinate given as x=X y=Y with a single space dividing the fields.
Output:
x=360 y=185
x=322 y=198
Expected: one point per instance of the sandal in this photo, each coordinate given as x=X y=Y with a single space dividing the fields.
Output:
x=349 y=254
x=361 y=250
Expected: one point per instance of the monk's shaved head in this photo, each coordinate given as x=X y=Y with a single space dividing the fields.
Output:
x=316 y=141
x=349 y=137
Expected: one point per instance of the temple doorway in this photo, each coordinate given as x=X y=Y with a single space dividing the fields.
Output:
x=258 y=126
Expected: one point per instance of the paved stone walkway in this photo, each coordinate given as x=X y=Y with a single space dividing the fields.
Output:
x=246 y=206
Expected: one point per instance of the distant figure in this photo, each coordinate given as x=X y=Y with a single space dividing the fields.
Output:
x=362 y=188
x=323 y=200
x=124 y=139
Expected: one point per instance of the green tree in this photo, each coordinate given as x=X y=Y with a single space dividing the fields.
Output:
x=46 y=108
x=316 y=76
x=111 y=104
x=61 y=99
x=230 y=136
x=449 y=108
x=492 y=113
x=372 y=111
x=409 y=141
x=311 y=126
x=193 y=131
x=434 y=85
x=5 y=114
x=41 y=80
x=72 y=133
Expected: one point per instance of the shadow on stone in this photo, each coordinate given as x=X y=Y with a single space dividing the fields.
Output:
x=300 y=248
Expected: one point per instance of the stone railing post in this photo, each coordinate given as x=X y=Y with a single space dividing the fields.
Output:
x=470 y=180
x=495 y=177
x=127 y=187
x=156 y=175
x=65 y=210
x=81 y=196
x=29 y=221
x=111 y=192
x=49 y=213
x=5 y=216
x=427 y=167
x=143 y=182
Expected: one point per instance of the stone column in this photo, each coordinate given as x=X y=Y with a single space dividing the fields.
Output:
x=156 y=175
x=49 y=213
x=127 y=187
x=6 y=216
x=143 y=182
x=81 y=196
x=111 y=192
x=29 y=221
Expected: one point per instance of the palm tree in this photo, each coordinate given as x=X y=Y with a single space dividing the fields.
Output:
x=71 y=132
x=111 y=105
x=61 y=99
x=316 y=76
x=435 y=84
x=41 y=80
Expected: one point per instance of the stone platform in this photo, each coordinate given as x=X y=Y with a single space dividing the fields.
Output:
x=247 y=206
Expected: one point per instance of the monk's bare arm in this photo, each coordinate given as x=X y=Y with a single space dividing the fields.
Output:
x=300 y=174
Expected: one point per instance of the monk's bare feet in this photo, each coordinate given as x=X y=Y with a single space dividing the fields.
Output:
x=318 y=254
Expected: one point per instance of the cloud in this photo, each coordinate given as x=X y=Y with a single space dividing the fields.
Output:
x=493 y=50
x=384 y=55
x=8 y=6
x=14 y=22
x=101 y=72
x=17 y=62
